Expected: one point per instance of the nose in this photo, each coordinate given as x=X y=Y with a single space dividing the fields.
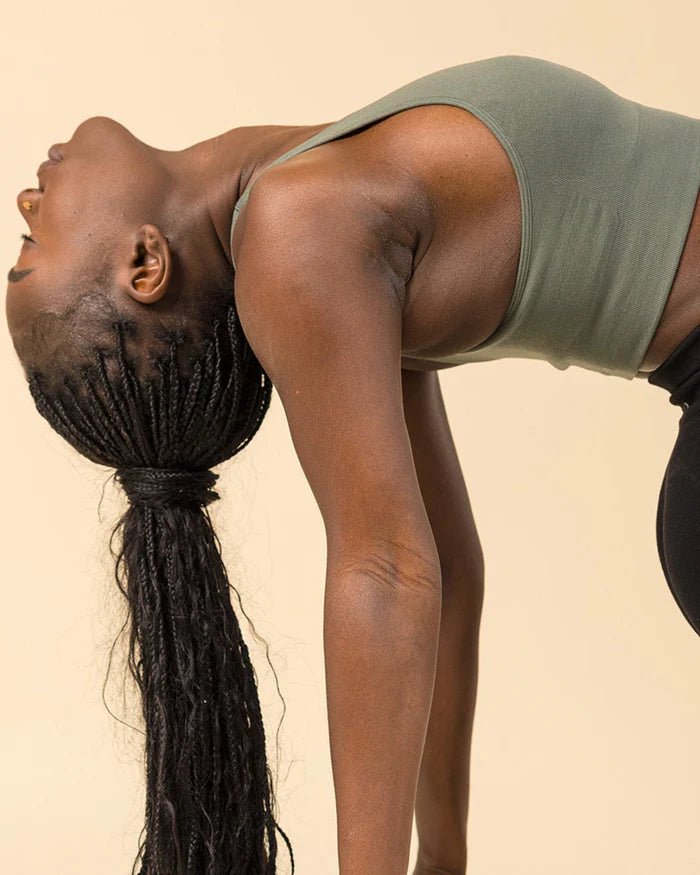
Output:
x=28 y=203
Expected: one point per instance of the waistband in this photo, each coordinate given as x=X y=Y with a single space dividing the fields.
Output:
x=679 y=373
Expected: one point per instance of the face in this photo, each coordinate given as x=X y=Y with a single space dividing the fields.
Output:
x=85 y=213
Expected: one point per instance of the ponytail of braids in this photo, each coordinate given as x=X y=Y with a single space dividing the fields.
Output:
x=209 y=796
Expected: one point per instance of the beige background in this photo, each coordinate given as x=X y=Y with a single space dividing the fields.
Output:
x=586 y=756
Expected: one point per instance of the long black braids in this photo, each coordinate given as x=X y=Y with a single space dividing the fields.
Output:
x=209 y=790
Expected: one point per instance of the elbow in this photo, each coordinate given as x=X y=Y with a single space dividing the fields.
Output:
x=398 y=566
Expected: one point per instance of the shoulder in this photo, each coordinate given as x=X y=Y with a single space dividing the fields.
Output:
x=320 y=303
x=333 y=198
x=399 y=178
x=317 y=257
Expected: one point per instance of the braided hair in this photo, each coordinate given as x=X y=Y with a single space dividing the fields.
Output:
x=209 y=796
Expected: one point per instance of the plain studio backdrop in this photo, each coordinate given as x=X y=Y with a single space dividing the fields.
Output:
x=585 y=754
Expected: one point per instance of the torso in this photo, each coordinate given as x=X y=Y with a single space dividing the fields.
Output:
x=682 y=311
x=456 y=190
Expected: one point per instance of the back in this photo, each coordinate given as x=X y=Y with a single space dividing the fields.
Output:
x=607 y=190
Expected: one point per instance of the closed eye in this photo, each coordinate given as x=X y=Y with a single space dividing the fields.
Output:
x=14 y=276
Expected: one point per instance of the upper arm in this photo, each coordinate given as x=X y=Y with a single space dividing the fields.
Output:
x=320 y=308
x=441 y=478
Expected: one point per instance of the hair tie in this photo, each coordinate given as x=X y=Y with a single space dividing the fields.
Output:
x=162 y=487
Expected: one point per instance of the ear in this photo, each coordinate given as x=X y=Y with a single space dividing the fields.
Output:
x=146 y=277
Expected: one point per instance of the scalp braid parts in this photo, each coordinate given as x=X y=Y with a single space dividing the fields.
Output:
x=209 y=791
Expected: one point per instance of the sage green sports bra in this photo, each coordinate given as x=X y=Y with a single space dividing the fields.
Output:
x=607 y=192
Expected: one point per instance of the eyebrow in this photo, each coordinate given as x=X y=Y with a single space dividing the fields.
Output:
x=14 y=276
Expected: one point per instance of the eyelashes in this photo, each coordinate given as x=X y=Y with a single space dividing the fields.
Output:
x=26 y=237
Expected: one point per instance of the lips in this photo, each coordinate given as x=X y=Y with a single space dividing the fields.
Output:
x=43 y=167
x=55 y=155
x=49 y=163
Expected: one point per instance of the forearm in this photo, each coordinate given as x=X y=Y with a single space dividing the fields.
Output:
x=380 y=642
x=442 y=799
x=443 y=789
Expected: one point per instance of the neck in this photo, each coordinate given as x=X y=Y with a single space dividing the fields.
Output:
x=213 y=174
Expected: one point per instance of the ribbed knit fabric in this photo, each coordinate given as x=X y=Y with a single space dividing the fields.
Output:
x=679 y=372
x=607 y=192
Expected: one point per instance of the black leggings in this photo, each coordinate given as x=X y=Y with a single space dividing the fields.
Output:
x=678 y=511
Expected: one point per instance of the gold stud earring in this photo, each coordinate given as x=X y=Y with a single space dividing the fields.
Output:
x=27 y=205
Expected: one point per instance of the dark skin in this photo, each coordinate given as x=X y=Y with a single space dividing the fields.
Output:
x=114 y=197
x=351 y=273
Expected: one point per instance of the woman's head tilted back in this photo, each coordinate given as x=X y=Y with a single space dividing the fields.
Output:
x=122 y=314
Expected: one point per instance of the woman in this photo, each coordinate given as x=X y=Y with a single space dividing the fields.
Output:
x=508 y=207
